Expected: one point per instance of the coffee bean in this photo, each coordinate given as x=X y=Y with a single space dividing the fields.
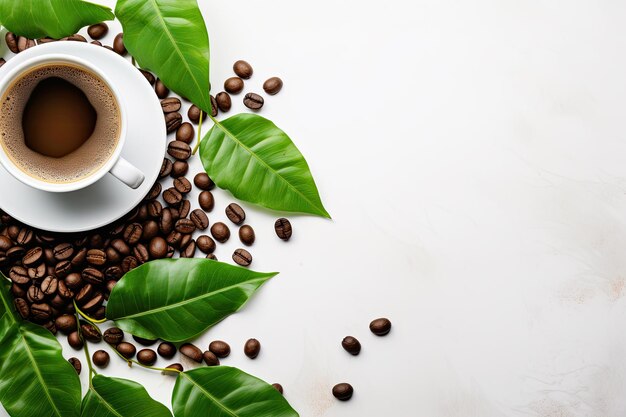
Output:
x=37 y=272
x=172 y=196
x=154 y=192
x=66 y=323
x=133 y=233
x=273 y=85
x=184 y=241
x=129 y=263
x=206 y=200
x=118 y=44
x=173 y=121
x=154 y=209
x=210 y=359
x=98 y=31
x=113 y=335
x=205 y=244
x=192 y=352
x=147 y=357
x=84 y=294
x=199 y=219
x=40 y=312
x=96 y=257
x=149 y=76
x=22 y=307
x=63 y=251
x=253 y=101
x=343 y=391
x=283 y=228
x=179 y=150
x=79 y=258
x=101 y=358
x=179 y=168
x=113 y=273
x=220 y=232
x=16 y=252
x=223 y=101
x=73 y=280
x=174 y=238
x=32 y=256
x=49 y=285
x=189 y=250
x=17 y=291
x=35 y=295
x=75 y=341
x=158 y=248
x=90 y=333
x=235 y=213
x=120 y=246
x=380 y=327
x=126 y=349
x=220 y=348
x=183 y=209
x=166 y=168
x=185 y=226
x=246 y=235
x=64 y=291
x=202 y=181
x=233 y=85
x=214 y=107
x=19 y=275
x=161 y=90
x=140 y=252
x=11 y=41
x=24 y=43
x=94 y=303
x=75 y=362
x=24 y=237
x=278 y=387
x=194 y=114
x=171 y=104
x=212 y=257
x=183 y=185
x=173 y=369
x=5 y=243
x=93 y=43
x=166 y=224
x=75 y=38
x=144 y=341
x=242 y=257
x=185 y=133
x=252 y=348
x=167 y=350
x=243 y=69
x=351 y=345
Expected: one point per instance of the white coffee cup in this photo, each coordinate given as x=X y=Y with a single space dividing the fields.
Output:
x=115 y=165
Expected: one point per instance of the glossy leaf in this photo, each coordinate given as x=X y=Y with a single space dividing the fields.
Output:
x=116 y=397
x=55 y=18
x=169 y=38
x=221 y=391
x=35 y=379
x=257 y=162
x=177 y=299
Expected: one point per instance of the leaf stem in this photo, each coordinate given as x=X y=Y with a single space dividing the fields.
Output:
x=92 y=371
x=86 y=317
x=199 y=134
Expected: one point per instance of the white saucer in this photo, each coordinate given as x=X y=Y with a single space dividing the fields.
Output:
x=108 y=199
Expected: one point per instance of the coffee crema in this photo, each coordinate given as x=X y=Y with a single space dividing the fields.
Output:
x=48 y=98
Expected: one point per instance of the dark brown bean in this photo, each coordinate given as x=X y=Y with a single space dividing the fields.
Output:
x=166 y=224
x=194 y=114
x=121 y=246
x=118 y=44
x=252 y=348
x=154 y=192
x=172 y=196
x=5 y=243
x=19 y=275
x=101 y=358
x=24 y=43
x=84 y=294
x=235 y=213
x=234 y=85
x=94 y=303
x=242 y=257
x=171 y=104
x=200 y=219
x=96 y=257
x=192 y=352
x=33 y=256
x=140 y=252
x=98 y=31
x=24 y=237
x=243 y=69
x=224 y=102
x=220 y=348
x=22 y=307
x=179 y=150
x=205 y=244
x=75 y=341
x=183 y=185
x=158 y=248
x=35 y=294
x=93 y=43
x=220 y=232
x=247 y=235
x=144 y=341
x=183 y=209
x=154 y=209
x=148 y=76
x=49 y=285
x=167 y=350
x=283 y=228
x=63 y=251
x=113 y=336
x=185 y=133
x=90 y=333
x=273 y=85
x=179 y=168
x=351 y=345
x=74 y=280
x=126 y=349
x=212 y=257
x=210 y=359
x=11 y=41
x=132 y=233
x=189 y=250
x=343 y=391
x=166 y=168
x=75 y=38
x=161 y=90
x=253 y=101
x=79 y=258
x=173 y=369
x=278 y=387
x=380 y=327
x=203 y=182
x=147 y=357
x=75 y=362
x=173 y=121
x=37 y=272
x=206 y=201
x=214 y=107
x=185 y=226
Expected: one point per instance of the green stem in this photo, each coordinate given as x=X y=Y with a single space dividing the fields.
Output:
x=86 y=317
x=92 y=371
x=199 y=134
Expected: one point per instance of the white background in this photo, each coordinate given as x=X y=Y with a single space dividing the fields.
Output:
x=472 y=157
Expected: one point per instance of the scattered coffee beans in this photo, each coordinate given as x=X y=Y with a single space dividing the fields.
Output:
x=214 y=107
x=210 y=359
x=179 y=150
x=242 y=257
x=179 y=168
x=283 y=228
x=243 y=69
x=343 y=391
x=351 y=345
x=75 y=341
x=75 y=362
x=220 y=348
x=380 y=327
x=148 y=75
x=253 y=101
x=205 y=244
x=101 y=358
x=273 y=85
x=252 y=348
x=246 y=235
x=192 y=352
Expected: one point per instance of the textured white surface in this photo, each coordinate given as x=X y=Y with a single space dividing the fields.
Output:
x=472 y=156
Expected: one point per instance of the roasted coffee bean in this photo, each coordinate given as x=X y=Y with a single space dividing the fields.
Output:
x=343 y=391
x=253 y=101
x=84 y=294
x=183 y=209
x=192 y=352
x=185 y=226
x=235 y=213
x=179 y=150
x=351 y=345
x=24 y=43
x=154 y=192
x=94 y=303
x=96 y=257
x=11 y=40
x=63 y=291
x=101 y=358
x=74 y=280
x=13 y=231
x=172 y=196
x=273 y=85
x=22 y=307
x=166 y=223
x=144 y=341
x=200 y=219
x=173 y=369
x=210 y=359
x=380 y=327
x=161 y=90
x=147 y=357
x=120 y=246
x=90 y=333
x=243 y=69
x=98 y=31
x=212 y=257
x=19 y=275
x=37 y=272
x=142 y=213
x=242 y=257
x=40 y=312
x=184 y=241
x=170 y=252
x=113 y=335
x=185 y=133
x=174 y=238
x=220 y=348
x=150 y=229
x=66 y=323
x=206 y=200
x=179 y=168
x=75 y=341
x=49 y=285
x=252 y=348
x=170 y=104
x=63 y=251
x=149 y=76
x=166 y=168
x=173 y=121
x=158 y=248
x=214 y=108
x=33 y=256
x=79 y=258
x=194 y=114
x=75 y=38
x=110 y=284
x=246 y=235
x=205 y=244
x=189 y=250
x=24 y=237
x=233 y=85
x=96 y=241
x=183 y=185
x=35 y=295
x=278 y=388
x=126 y=349
x=113 y=273
x=113 y=256
x=75 y=362
x=132 y=233
x=16 y=252
x=5 y=243
x=57 y=302
x=203 y=182
x=17 y=291
x=220 y=232
x=118 y=44
x=224 y=102
x=140 y=252
x=155 y=209
x=283 y=228
x=167 y=350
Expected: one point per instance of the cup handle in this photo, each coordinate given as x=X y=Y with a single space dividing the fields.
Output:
x=127 y=173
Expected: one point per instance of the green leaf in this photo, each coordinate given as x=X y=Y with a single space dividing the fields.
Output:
x=169 y=38
x=177 y=299
x=221 y=391
x=55 y=18
x=116 y=397
x=257 y=162
x=35 y=379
